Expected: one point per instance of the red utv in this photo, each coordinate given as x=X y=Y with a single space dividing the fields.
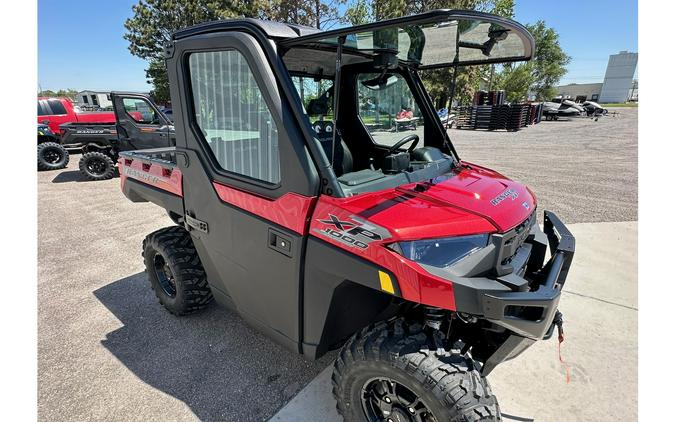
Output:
x=325 y=228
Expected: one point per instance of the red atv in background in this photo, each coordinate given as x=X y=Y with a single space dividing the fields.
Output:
x=427 y=271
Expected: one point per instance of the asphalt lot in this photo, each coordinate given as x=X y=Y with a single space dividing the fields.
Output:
x=108 y=351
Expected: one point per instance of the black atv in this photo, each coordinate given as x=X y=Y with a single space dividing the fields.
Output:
x=51 y=155
x=140 y=125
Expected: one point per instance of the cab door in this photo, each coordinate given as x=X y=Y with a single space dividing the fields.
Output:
x=140 y=125
x=249 y=184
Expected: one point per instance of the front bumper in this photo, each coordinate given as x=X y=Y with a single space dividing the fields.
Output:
x=510 y=284
x=530 y=313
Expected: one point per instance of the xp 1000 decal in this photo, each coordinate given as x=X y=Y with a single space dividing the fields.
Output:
x=354 y=231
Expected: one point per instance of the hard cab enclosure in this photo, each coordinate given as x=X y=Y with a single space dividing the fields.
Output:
x=316 y=214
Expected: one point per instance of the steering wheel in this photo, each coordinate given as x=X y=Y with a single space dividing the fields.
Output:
x=414 y=138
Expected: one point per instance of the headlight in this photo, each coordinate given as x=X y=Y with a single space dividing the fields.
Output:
x=440 y=252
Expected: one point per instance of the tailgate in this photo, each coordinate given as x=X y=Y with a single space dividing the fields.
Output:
x=152 y=176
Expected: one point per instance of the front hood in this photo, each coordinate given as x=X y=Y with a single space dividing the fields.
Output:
x=480 y=191
x=468 y=200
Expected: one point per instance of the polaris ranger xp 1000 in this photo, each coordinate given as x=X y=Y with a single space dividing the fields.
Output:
x=331 y=221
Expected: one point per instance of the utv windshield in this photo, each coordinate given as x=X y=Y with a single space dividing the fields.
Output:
x=362 y=95
x=440 y=38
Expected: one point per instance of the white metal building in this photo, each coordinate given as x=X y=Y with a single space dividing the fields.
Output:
x=94 y=99
x=572 y=91
x=619 y=78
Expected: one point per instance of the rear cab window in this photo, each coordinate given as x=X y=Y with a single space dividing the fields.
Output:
x=57 y=107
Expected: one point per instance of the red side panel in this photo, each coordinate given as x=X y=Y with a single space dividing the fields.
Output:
x=415 y=284
x=291 y=210
x=168 y=179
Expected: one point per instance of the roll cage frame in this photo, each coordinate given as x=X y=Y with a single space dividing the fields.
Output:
x=276 y=39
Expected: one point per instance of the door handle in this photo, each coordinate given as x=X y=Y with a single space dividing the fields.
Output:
x=279 y=242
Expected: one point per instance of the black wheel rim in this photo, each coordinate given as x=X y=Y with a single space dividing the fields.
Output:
x=164 y=275
x=52 y=155
x=386 y=400
x=96 y=166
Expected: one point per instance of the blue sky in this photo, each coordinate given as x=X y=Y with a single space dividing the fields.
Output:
x=80 y=42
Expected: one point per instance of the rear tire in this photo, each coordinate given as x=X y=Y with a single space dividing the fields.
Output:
x=52 y=156
x=97 y=166
x=394 y=367
x=175 y=271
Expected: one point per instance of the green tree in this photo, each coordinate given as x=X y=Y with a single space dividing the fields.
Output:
x=46 y=93
x=438 y=81
x=548 y=64
x=540 y=75
x=67 y=93
x=316 y=13
x=358 y=13
x=515 y=80
x=153 y=22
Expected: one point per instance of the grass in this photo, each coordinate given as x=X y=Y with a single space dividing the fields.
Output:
x=620 y=105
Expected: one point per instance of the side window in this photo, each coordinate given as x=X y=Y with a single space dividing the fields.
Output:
x=233 y=116
x=140 y=110
x=57 y=107
x=41 y=109
x=94 y=100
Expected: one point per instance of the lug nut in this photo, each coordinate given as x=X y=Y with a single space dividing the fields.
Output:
x=387 y=400
x=411 y=410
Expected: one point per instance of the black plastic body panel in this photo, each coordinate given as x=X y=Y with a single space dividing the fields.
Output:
x=341 y=295
x=513 y=346
x=543 y=300
x=253 y=265
x=138 y=191
x=77 y=135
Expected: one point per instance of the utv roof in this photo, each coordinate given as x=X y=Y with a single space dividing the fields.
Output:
x=270 y=29
x=439 y=38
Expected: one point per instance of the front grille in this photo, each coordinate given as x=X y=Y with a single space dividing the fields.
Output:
x=516 y=237
x=509 y=243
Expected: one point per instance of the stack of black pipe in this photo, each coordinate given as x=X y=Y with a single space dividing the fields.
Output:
x=494 y=117
x=489 y=98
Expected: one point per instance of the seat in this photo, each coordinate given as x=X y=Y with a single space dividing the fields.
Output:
x=343 y=161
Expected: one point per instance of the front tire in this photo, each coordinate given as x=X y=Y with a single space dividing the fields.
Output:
x=52 y=156
x=97 y=166
x=391 y=371
x=175 y=271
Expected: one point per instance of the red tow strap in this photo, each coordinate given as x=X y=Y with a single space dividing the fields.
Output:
x=561 y=337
